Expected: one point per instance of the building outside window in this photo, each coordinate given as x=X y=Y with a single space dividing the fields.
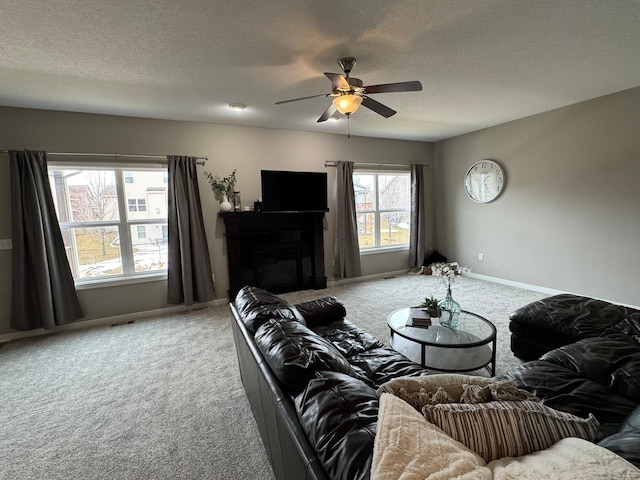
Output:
x=137 y=204
x=383 y=208
x=112 y=227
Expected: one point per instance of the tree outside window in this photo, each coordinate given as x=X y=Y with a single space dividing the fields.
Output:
x=382 y=209
x=108 y=228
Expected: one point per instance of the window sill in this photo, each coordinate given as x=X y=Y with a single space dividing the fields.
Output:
x=378 y=250
x=116 y=281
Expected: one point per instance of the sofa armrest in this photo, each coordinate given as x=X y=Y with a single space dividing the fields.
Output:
x=321 y=311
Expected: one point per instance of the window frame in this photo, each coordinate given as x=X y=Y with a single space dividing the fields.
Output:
x=123 y=225
x=377 y=171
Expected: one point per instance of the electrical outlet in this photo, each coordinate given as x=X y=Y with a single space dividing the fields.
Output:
x=480 y=256
x=5 y=244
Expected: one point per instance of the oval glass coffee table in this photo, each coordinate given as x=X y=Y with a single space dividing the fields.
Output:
x=469 y=346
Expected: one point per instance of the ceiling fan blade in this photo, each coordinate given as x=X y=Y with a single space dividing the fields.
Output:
x=331 y=109
x=394 y=87
x=302 y=98
x=377 y=107
x=338 y=80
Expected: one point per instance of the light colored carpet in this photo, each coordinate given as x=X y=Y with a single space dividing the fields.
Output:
x=161 y=398
x=368 y=304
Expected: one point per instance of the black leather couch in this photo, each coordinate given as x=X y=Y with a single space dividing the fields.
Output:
x=587 y=360
x=559 y=320
x=311 y=377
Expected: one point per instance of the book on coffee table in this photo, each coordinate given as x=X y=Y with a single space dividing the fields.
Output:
x=419 y=318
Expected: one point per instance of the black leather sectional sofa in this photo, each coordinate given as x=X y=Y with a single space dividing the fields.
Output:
x=311 y=377
x=586 y=359
x=559 y=320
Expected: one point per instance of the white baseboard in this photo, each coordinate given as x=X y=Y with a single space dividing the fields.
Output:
x=536 y=288
x=511 y=283
x=223 y=301
x=365 y=278
x=114 y=320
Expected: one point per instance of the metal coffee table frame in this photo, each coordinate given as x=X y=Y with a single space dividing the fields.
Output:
x=438 y=343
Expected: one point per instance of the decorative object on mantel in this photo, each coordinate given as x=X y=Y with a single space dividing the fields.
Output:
x=431 y=305
x=224 y=186
x=450 y=309
x=237 y=203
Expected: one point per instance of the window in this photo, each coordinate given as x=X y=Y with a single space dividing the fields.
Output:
x=137 y=204
x=107 y=227
x=383 y=207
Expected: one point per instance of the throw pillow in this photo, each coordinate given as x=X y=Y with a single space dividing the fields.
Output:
x=508 y=429
x=499 y=390
x=451 y=383
x=418 y=399
x=321 y=311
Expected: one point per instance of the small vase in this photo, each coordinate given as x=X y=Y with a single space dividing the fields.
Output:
x=451 y=309
x=225 y=205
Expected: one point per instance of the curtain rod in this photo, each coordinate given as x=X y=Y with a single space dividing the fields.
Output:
x=328 y=163
x=115 y=155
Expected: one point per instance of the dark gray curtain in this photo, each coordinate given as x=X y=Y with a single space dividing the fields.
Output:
x=43 y=292
x=189 y=273
x=346 y=260
x=416 y=239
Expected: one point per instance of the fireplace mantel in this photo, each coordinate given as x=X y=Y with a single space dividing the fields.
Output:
x=279 y=252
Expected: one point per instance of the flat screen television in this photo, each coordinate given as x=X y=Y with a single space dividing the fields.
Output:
x=284 y=191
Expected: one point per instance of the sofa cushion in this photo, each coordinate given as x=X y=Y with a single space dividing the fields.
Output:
x=339 y=414
x=347 y=337
x=508 y=429
x=295 y=353
x=562 y=319
x=614 y=364
x=626 y=441
x=255 y=306
x=382 y=364
x=566 y=390
x=322 y=311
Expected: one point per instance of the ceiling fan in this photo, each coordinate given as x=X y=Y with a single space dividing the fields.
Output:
x=349 y=93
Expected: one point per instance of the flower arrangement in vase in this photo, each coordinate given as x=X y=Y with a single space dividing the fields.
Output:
x=224 y=186
x=448 y=273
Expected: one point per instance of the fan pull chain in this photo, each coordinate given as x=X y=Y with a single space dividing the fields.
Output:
x=348 y=126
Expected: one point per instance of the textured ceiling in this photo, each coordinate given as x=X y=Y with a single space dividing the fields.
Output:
x=481 y=63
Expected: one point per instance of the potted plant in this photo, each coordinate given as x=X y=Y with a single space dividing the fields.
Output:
x=431 y=305
x=224 y=186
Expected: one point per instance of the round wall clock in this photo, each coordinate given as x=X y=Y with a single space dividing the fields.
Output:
x=484 y=181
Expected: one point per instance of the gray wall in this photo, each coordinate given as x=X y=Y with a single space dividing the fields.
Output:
x=246 y=149
x=569 y=218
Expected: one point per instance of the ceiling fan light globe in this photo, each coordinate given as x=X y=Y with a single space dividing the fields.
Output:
x=347 y=104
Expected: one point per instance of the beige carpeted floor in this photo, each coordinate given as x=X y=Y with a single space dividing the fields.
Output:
x=161 y=398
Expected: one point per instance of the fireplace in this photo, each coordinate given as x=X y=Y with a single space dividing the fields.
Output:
x=279 y=252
